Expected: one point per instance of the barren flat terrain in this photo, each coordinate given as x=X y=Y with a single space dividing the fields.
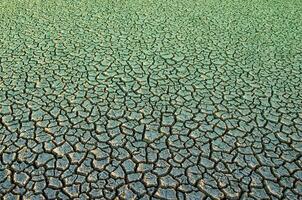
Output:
x=146 y=99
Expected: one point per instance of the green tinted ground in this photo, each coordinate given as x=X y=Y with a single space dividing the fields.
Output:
x=140 y=99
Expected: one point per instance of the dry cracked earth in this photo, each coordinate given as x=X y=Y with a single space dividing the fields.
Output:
x=150 y=99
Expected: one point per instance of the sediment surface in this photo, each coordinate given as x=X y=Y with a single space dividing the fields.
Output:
x=150 y=99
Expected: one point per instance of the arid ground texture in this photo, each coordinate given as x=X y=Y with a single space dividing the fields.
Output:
x=146 y=99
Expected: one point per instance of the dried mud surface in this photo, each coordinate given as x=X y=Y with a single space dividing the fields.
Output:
x=150 y=99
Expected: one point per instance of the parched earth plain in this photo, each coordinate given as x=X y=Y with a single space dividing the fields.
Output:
x=150 y=99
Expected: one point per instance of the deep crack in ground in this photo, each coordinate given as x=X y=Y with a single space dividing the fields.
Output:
x=150 y=99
